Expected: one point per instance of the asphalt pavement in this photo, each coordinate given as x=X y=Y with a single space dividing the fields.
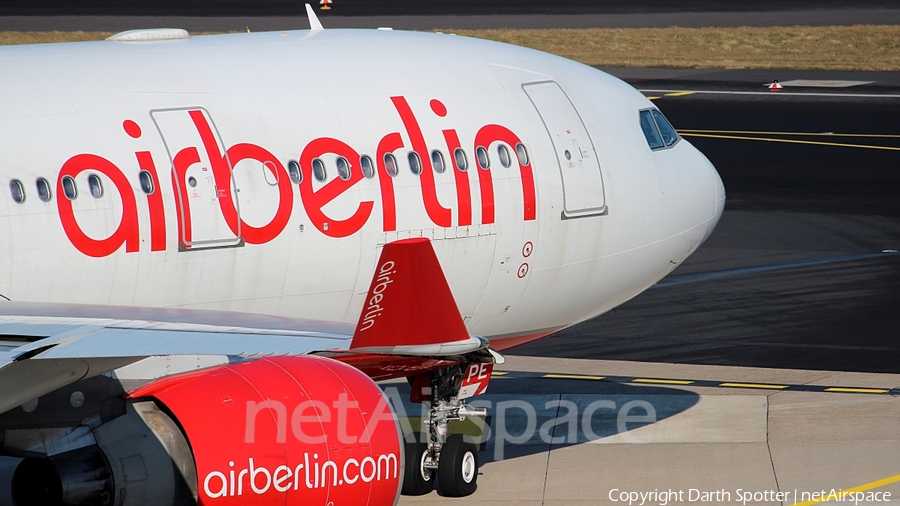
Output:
x=261 y=15
x=586 y=432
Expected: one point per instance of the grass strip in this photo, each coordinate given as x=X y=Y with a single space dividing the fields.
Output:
x=862 y=47
x=14 y=38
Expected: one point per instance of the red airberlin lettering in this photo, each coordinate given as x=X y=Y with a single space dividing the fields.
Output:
x=487 y=136
x=126 y=233
x=222 y=174
x=439 y=214
x=271 y=230
x=309 y=474
x=314 y=200
x=154 y=199
x=315 y=197
x=388 y=144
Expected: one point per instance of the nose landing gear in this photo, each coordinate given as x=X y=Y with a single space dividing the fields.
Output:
x=452 y=459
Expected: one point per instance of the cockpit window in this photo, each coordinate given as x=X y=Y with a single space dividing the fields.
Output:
x=669 y=135
x=648 y=126
x=657 y=129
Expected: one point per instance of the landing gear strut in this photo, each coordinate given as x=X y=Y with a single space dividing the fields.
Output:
x=453 y=459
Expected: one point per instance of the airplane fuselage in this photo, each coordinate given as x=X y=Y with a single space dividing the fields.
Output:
x=261 y=173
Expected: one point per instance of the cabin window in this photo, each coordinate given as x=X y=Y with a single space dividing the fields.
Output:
x=367 y=167
x=146 y=181
x=294 y=171
x=43 y=189
x=483 y=160
x=96 y=186
x=437 y=161
x=462 y=163
x=651 y=133
x=390 y=165
x=669 y=135
x=415 y=163
x=192 y=182
x=522 y=154
x=343 y=168
x=70 y=190
x=17 y=191
x=318 y=167
x=503 y=154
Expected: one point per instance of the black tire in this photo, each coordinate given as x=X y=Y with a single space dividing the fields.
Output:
x=458 y=467
x=416 y=479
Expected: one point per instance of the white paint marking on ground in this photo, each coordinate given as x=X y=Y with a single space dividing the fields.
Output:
x=777 y=94
x=821 y=83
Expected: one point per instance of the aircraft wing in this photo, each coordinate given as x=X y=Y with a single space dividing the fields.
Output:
x=409 y=323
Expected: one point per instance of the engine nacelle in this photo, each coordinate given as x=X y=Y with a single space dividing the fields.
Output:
x=280 y=430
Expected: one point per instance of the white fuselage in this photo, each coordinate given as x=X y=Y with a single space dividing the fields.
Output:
x=592 y=219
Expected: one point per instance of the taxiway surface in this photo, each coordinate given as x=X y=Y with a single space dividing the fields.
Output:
x=612 y=427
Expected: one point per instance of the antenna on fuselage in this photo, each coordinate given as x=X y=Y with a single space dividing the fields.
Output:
x=314 y=24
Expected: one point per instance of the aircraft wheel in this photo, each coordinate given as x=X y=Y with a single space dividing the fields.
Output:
x=417 y=480
x=458 y=467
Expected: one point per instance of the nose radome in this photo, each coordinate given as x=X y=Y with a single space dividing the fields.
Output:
x=718 y=195
x=720 y=187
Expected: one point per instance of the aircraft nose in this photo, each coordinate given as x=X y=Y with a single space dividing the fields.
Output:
x=718 y=195
x=692 y=194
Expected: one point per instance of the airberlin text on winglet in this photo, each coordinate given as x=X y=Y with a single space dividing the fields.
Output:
x=128 y=232
x=373 y=309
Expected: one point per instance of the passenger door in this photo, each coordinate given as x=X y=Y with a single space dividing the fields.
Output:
x=578 y=164
x=208 y=209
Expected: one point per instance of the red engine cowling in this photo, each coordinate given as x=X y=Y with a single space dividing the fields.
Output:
x=286 y=430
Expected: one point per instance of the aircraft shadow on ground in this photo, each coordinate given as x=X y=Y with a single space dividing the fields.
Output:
x=527 y=416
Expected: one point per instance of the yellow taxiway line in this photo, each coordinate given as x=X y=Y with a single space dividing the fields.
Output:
x=801 y=134
x=861 y=488
x=573 y=376
x=790 y=141
x=661 y=381
x=753 y=385
x=858 y=390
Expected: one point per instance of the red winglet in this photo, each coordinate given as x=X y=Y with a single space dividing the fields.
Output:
x=409 y=301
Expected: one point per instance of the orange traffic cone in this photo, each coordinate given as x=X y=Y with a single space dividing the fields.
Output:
x=775 y=86
x=325 y=5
